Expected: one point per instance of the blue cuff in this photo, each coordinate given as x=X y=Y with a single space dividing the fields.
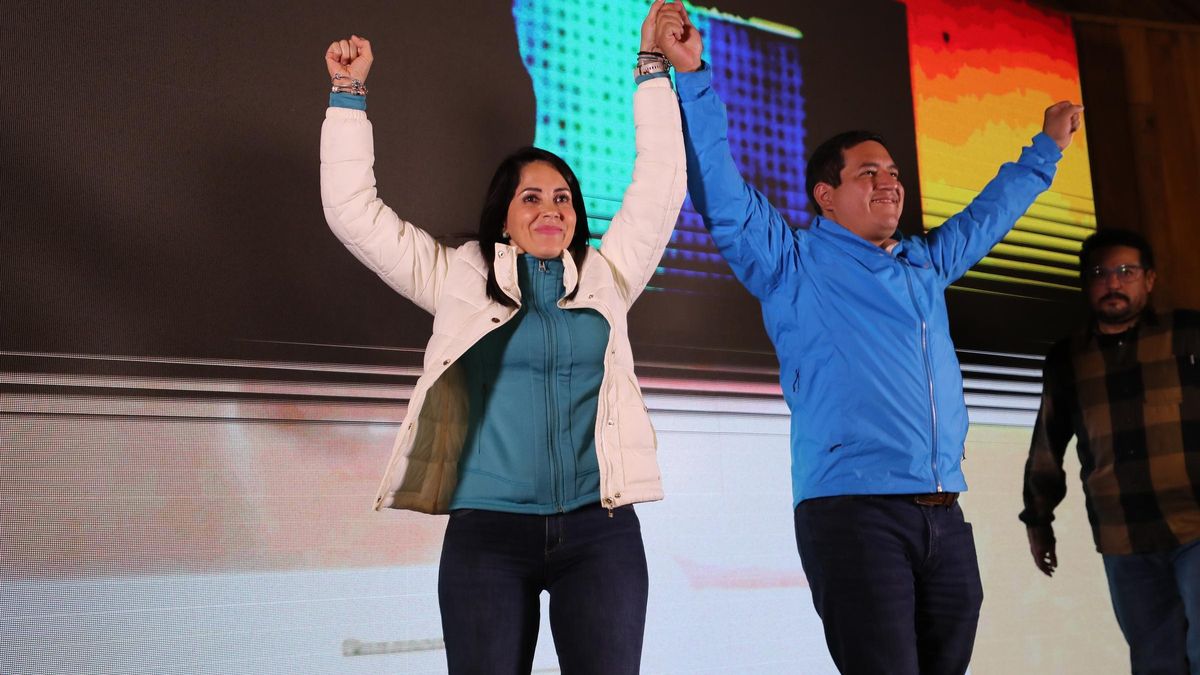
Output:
x=691 y=85
x=340 y=100
x=649 y=76
x=1046 y=147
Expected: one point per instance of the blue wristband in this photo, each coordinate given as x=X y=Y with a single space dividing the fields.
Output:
x=649 y=76
x=340 y=100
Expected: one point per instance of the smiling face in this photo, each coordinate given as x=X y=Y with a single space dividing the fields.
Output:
x=870 y=198
x=541 y=215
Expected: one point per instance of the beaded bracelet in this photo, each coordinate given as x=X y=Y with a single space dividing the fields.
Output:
x=355 y=87
x=651 y=62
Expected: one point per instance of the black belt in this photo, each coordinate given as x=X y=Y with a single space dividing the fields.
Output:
x=936 y=499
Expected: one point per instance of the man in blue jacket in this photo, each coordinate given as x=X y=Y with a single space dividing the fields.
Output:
x=857 y=314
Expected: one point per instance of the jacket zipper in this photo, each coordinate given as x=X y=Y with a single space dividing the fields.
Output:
x=928 y=373
x=602 y=418
x=602 y=413
x=549 y=331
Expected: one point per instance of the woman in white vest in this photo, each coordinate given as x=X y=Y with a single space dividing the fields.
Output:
x=527 y=425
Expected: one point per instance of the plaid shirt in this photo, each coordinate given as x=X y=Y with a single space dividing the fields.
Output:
x=1133 y=403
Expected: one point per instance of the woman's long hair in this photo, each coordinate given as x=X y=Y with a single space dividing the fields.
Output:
x=495 y=211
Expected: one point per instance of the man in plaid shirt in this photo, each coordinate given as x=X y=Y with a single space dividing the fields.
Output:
x=1127 y=387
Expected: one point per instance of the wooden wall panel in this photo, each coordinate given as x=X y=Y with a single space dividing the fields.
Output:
x=1141 y=88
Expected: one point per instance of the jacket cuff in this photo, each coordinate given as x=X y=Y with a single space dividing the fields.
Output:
x=1046 y=148
x=335 y=113
x=654 y=81
x=692 y=86
x=1032 y=519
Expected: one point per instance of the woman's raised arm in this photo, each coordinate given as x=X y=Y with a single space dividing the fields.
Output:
x=403 y=255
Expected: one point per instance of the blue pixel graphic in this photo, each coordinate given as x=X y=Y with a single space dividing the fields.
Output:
x=580 y=59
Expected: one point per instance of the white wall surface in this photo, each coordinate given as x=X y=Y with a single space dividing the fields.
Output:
x=168 y=544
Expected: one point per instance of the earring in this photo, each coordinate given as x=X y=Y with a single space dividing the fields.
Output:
x=504 y=235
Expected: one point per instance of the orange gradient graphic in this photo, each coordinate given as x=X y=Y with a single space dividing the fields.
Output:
x=983 y=71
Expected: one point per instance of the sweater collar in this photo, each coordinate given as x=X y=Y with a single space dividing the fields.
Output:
x=504 y=262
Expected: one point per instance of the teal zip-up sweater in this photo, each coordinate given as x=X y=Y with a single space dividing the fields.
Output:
x=532 y=387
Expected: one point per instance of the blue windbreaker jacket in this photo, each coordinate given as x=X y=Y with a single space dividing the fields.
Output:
x=866 y=361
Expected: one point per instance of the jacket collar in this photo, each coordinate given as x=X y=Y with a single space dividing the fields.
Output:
x=871 y=256
x=504 y=261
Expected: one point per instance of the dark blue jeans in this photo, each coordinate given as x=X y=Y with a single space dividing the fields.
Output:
x=896 y=584
x=495 y=566
x=1157 y=600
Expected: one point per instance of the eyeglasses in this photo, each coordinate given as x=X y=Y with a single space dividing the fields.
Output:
x=1123 y=273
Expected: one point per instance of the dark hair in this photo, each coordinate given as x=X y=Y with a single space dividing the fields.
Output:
x=1103 y=239
x=495 y=211
x=825 y=164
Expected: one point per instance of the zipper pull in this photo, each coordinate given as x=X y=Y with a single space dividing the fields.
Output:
x=542 y=265
x=608 y=502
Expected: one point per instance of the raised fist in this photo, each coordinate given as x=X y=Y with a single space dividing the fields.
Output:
x=677 y=37
x=349 y=59
x=648 y=26
x=1062 y=121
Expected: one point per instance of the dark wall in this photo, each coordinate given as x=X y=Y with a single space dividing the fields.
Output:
x=1141 y=88
x=161 y=167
